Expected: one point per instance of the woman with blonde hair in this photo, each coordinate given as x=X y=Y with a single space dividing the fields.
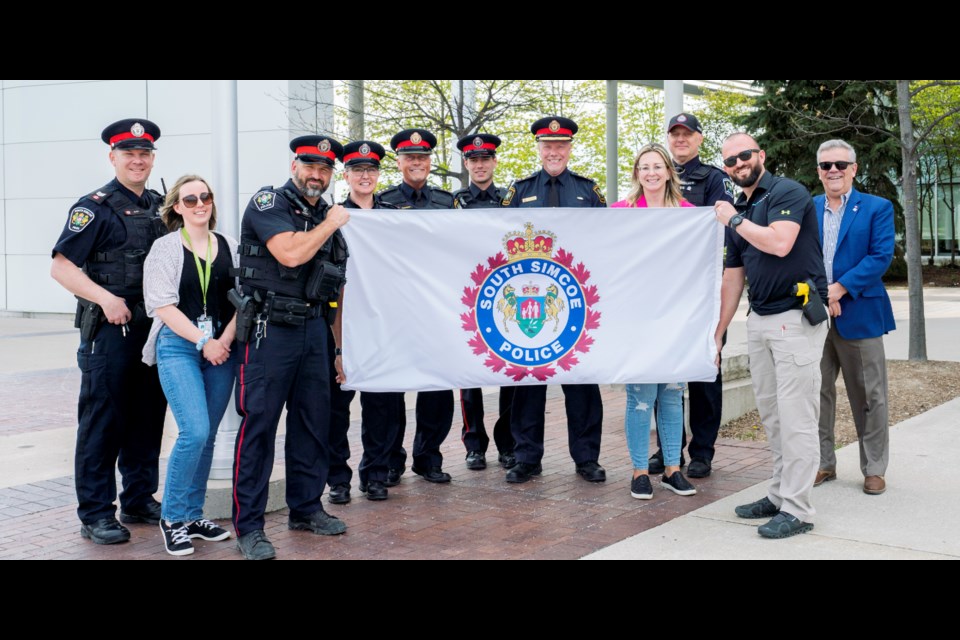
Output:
x=655 y=183
x=185 y=283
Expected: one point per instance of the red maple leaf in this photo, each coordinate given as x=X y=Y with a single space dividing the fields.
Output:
x=583 y=345
x=517 y=373
x=479 y=346
x=542 y=373
x=593 y=319
x=568 y=361
x=564 y=258
x=591 y=295
x=496 y=261
x=494 y=362
x=580 y=272
x=470 y=296
x=469 y=320
x=479 y=274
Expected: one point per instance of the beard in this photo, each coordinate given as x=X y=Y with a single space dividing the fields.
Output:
x=307 y=191
x=751 y=177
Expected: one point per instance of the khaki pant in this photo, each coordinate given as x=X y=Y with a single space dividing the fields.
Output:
x=785 y=356
x=864 y=367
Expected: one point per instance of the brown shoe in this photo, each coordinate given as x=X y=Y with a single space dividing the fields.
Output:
x=874 y=485
x=824 y=476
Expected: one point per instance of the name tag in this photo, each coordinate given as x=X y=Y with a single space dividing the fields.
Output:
x=529 y=199
x=579 y=197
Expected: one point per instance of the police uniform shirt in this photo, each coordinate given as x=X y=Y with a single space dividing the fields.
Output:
x=406 y=197
x=270 y=213
x=716 y=186
x=771 y=278
x=377 y=203
x=573 y=190
x=93 y=226
x=473 y=197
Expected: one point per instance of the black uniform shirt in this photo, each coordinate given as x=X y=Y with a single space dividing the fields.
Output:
x=771 y=278
x=473 y=197
x=574 y=191
x=269 y=214
x=717 y=186
x=93 y=226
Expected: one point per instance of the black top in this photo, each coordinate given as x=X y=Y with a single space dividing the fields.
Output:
x=702 y=184
x=269 y=214
x=191 y=297
x=771 y=278
x=403 y=196
x=573 y=191
x=473 y=197
x=92 y=226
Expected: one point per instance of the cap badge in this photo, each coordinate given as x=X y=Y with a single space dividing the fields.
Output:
x=324 y=146
x=364 y=149
x=137 y=129
x=554 y=126
x=681 y=118
x=416 y=138
x=478 y=142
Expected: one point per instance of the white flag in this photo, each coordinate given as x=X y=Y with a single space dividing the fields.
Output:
x=458 y=299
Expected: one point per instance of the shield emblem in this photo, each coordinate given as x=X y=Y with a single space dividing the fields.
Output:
x=530 y=313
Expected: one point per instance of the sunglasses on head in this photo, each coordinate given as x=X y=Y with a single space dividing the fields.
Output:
x=743 y=156
x=841 y=165
x=191 y=201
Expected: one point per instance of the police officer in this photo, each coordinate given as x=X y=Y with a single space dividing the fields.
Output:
x=702 y=185
x=380 y=413
x=292 y=260
x=434 y=408
x=99 y=258
x=480 y=158
x=556 y=186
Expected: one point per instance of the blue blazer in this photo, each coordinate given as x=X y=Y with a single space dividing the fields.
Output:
x=864 y=252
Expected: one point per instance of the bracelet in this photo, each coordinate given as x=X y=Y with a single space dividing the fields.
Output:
x=202 y=341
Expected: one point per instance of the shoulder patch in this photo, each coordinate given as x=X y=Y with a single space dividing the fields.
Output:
x=728 y=186
x=596 y=190
x=80 y=217
x=264 y=200
x=512 y=191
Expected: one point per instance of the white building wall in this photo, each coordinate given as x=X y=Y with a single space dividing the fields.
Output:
x=51 y=154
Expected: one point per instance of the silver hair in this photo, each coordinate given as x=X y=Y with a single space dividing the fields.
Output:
x=837 y=144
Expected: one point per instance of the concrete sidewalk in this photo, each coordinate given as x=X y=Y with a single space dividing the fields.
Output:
x=915 y=519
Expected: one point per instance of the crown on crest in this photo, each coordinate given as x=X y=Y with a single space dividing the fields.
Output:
x=528 y=244
x=530 y=289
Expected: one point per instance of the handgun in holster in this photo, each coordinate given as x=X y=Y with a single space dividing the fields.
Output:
x=813 y=308
x=91 y=315
x=246 y=314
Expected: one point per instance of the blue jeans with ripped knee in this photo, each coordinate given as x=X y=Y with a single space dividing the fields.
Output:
x=641 y=398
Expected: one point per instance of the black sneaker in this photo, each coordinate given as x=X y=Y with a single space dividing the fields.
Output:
x=678 y=484
x=255 y=546
x=640 y=488
x=784 y=525
x=206 y=530
x=319 y=522
x=476 y=461
x=699 y=468
x=762 y=508
x=176 y=539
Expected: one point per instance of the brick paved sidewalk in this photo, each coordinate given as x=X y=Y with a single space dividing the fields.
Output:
x=478 y=515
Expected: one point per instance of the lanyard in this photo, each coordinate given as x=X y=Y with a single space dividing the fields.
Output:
x=204 y=277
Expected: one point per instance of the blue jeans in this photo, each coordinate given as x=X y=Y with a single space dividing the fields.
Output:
x=198 y=393
x=640 y=402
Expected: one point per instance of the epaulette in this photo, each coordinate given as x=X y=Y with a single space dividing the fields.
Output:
x=445 y=197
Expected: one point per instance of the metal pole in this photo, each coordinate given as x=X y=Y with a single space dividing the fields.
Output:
x=356 y=109
x=613 y=141
x=672 y=101
x=227 y=187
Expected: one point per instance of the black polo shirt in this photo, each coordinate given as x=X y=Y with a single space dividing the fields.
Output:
x=771 y=278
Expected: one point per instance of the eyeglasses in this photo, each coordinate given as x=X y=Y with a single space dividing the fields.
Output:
x=841 y=165
x=363 y=171
x=191 y=201
x=742 y=156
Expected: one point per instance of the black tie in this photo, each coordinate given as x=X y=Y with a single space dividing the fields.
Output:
x=553 y=195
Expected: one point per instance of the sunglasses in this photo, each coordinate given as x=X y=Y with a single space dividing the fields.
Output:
x=743 y=156
x=191 y=201
x=841 y=165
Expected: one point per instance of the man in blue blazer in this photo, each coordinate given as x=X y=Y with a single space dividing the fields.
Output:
x=856 y=231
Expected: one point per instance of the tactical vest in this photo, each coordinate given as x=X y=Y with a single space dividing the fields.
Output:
x=694 y=185
x=260 y=271
x=120 y=271
x=463 y=199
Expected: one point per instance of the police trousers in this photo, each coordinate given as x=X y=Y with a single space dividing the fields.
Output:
x=584 y=421
x=474 y=435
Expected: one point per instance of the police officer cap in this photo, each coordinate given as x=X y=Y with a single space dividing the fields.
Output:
x=478 y=145
x=317 y=149
x=554 y=128
x=685 y=120
x=413 y=141
x=132 y=133
x=363 y=152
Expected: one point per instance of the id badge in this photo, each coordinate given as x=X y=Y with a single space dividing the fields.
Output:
x=205 y=324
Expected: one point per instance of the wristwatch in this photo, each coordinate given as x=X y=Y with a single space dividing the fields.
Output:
x=338 y=351
x=736 y=221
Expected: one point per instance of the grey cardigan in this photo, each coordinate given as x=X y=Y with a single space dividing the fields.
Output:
x=162 y=271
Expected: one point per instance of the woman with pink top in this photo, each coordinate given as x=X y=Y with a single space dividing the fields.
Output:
x=655 y=184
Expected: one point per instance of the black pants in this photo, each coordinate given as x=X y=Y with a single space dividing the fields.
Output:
x=434 y=419
x=290 y=368
x=380 y=418
x=121 y=413
x=473 y=434
x=584 y=421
